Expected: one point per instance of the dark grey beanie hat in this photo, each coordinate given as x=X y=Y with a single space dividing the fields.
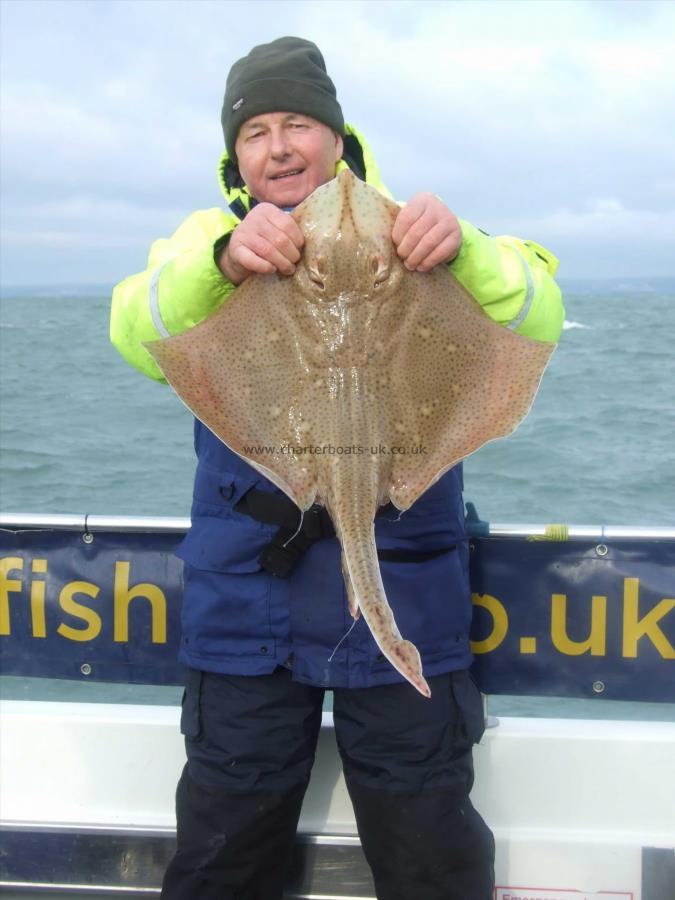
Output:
x=288 y=75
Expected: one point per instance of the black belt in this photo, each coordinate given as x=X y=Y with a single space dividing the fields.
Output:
x=283 y=552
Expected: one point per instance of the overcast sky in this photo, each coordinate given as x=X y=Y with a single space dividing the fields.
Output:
x=548 y=120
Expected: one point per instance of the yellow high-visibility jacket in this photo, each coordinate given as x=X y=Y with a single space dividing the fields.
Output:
x=512 y=279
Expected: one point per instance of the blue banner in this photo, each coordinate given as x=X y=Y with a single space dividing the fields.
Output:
x=570 y=619
x=100 y=607
x=574 y=619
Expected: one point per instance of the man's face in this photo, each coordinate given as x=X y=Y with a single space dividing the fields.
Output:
x=283 y=157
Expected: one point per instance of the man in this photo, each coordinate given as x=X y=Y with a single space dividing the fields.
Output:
x=262 y=615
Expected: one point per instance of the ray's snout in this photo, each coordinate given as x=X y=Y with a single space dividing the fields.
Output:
x=351 y=253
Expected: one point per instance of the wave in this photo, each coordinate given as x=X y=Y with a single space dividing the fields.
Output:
x=567 y=325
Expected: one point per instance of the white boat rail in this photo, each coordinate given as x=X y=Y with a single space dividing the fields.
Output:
x=174 y=524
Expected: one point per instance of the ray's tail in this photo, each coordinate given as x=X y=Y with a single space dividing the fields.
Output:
x=362 y=569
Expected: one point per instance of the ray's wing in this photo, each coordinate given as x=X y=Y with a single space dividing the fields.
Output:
x=240 y=373
x=459 y=380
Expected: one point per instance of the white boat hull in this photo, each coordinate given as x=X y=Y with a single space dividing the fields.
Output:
x=576 y=806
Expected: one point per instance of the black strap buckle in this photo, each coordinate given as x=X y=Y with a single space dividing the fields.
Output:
x=281 y=555
x=283 y=552
x=297 y=531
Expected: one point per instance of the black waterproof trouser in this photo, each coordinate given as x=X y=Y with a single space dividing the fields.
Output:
x=408 y=767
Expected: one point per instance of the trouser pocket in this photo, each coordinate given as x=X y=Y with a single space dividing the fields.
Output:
x=250 y=732
x=470 y=716
x=190 y=717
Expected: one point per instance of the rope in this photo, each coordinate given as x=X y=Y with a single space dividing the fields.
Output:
x=297 y=530
x=552 y=533
x=337 y=646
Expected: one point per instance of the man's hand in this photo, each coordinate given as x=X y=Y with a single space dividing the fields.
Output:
x=426 y=233
x=268 y=240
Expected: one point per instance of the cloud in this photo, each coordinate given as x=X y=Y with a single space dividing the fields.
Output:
x=605 y=237
x=110 y=126
x=607 y=216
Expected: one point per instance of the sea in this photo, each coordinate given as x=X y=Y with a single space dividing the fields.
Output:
x=83 y=432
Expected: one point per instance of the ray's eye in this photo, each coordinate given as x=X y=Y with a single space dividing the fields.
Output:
x=316 y=279
x=379 y=269
x=317 y=275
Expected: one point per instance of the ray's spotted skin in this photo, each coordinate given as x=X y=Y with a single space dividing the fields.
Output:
x=401 y=371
